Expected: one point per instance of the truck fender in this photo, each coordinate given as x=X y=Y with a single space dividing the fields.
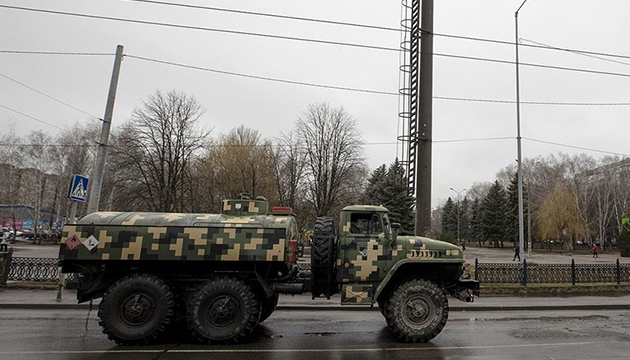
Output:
x=392 y=273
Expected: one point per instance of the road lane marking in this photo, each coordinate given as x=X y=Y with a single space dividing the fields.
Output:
x=234 y=351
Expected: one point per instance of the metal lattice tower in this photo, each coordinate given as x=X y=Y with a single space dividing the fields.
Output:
x=409 y=77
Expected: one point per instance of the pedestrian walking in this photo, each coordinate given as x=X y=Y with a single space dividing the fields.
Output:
x=517 y=252
x=4 y=244
x=594 y=251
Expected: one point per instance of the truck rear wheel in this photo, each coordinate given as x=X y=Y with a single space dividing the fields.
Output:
x=268 y=306
x=417 y=310
x=137 y=309
x=223 y=310
x=323 y=257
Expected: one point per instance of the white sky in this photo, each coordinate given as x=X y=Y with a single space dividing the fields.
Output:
x=273 y=107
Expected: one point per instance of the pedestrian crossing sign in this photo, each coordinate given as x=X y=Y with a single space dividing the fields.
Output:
x=78 y=188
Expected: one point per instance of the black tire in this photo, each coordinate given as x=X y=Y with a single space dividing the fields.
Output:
x=323 y=257
x=136 y=309
x=268 y=306
x=417 y=310
x=223 y=310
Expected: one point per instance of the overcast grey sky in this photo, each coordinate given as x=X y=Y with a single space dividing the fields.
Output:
x=271 y=107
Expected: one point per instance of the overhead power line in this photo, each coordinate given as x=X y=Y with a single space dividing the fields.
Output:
x=599 y=56
x=258 y=77
x=363 y=144
x=368 y=26
x=144 y=22
x=190 y=27
x=54 y=53
x=48 y=96
x=50 y=145
x=373 y=47
x=575 y=147
x=474 y=58
x=31 y=117
x=538 y=46
x=278 y=16
x=351 y=89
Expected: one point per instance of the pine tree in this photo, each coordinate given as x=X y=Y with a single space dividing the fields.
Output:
x=396 y=198
x=493 y=215
x=475 y=234
x=449 y=220
x=464 y=220
x=373 y=191
x=388 y=187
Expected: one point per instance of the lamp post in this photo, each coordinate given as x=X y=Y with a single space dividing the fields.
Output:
x=521 y=235
x=458 y=192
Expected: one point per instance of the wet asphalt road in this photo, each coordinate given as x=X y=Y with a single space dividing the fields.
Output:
x=61 y=334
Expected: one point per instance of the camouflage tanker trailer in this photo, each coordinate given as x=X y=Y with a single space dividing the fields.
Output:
x=222 y=273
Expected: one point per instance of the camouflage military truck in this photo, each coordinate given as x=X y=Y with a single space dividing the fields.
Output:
x=221 y=273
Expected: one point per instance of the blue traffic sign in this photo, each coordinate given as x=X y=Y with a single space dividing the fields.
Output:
x=78 y=188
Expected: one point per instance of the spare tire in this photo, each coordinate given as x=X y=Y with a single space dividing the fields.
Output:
x=323 y=258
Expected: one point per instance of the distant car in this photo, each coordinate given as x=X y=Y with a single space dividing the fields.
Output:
x=16 y=233
x=27 y=234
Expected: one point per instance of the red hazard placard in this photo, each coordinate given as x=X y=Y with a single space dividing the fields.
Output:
x=73 y=242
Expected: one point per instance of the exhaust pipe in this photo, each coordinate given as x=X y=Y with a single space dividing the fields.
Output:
x=463 y=295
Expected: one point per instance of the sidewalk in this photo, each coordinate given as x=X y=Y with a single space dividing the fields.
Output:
x=47 y=299
x=539 y=256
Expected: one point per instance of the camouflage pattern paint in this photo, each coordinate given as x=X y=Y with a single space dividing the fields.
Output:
x=357 y=294
x=176 y=236
x=368 y=257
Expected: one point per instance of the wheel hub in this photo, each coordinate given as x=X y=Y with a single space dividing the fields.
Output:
x=417 y=310
x=137 y=309
x=222 y=311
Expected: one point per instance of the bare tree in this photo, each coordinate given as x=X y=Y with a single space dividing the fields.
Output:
x=74 y=154
x=289 y=165
x=11 y=179
x=37 y=158
x=244 y=163
x=154 y=151
x=333 y=155
x=560 y=218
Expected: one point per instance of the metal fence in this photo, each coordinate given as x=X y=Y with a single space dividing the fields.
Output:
x=34 y=269
x=509 y=273
x=46 y=269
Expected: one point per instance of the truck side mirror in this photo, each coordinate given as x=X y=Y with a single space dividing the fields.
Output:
x=395 y=229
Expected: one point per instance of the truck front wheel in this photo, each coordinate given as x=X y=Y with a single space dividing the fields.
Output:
x=223 y=310
x=417 y=310
x=136 y=309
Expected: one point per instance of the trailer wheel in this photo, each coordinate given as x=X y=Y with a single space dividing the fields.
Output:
x=136 y=309
x=323 y=257
x=268 y=306
x=417 y=310
x=222 y=310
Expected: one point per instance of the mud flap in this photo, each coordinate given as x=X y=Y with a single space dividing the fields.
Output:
x=357 y=294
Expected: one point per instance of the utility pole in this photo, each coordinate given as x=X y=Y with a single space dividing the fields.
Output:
x=521 y=229
x=99 y=163
x=425 y=128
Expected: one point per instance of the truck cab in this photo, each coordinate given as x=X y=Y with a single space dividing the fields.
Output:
x=371 y=254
